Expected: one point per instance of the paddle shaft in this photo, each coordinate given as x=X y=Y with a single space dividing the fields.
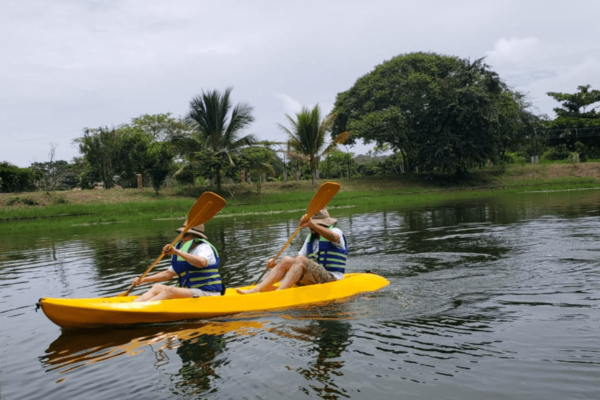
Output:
x=178 y=238
x=278 y=254
x=287 y=243
x=319 y=200
x=206 y=207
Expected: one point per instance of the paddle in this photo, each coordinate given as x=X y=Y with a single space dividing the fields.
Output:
x=325 y=193
x=206 y=207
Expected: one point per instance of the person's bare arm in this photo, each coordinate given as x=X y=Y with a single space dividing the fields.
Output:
x=321 y=230
x=159 y=277
x=196 y=261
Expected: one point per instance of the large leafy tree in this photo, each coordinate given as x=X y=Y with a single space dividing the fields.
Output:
x=53 y=174
x=442 y=113
x=160 y=127
x=136 y=140
x=15 y=179
x=113 y=155
x=99 y=148
x=159 y=163
x=132 y=152
x=576 y=109
x=518 y=127
x=339 y=164
x=577 y=120
x=258 y=160
x=216 y=128
x=307 y=136
x=116 y=155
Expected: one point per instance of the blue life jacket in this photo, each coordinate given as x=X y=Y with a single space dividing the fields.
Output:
x=207 y=278
x=327 y=255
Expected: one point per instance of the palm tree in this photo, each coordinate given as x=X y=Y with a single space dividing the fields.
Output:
x=307 y=136
x=217 y=129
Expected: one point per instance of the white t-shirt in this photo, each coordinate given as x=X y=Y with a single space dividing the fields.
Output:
x=202 y=250
x=341 y=245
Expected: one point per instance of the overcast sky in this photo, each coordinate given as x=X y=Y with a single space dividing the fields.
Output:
x=67 y=65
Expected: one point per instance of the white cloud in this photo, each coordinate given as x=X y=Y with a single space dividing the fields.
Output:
x=71 y=64
x=215 y=49
x=290 y=105
x=536 y=67
x=565 y=80
x=513 y=50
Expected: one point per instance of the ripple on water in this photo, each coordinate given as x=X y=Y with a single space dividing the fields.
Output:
x=487 y=299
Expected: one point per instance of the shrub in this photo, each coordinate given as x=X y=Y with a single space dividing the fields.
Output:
x=25 y=201
x=556 y=153
x=514 y=158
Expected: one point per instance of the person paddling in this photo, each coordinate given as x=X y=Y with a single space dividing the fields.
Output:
x=322 y=257
x=195 y=261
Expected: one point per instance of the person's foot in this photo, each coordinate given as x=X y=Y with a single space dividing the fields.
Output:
x=247 y=291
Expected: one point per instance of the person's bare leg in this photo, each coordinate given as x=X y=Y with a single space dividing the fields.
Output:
x=274 y=275
x=163 y=292
x=153 y=291
x=171 y=292
x=294 y=273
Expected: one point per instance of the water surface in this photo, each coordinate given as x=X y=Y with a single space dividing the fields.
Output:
x=492 y=298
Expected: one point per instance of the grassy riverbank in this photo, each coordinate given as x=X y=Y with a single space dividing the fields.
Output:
x=38 y=210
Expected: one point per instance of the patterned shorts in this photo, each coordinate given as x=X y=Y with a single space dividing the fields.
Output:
x=203 y=293
x=315 y=274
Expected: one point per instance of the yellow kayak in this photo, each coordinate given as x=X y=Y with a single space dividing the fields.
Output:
x=106 y=311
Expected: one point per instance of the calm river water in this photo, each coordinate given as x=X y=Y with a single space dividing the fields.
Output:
x=495 y=298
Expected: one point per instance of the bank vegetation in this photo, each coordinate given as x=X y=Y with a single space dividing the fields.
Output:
x=38 y=210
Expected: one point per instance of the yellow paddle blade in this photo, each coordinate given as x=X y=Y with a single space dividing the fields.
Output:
x=325 y=193
x=206 y=207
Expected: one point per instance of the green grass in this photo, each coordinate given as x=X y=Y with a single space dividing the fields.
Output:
x=63 y=210
x=68 y=215
x=162 y=207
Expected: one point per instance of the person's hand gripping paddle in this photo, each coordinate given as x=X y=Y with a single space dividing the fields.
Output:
x=325 y=193
x=206 y=207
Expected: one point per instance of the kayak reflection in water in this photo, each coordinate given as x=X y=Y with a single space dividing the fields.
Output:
x=195 y=261
x=322 y=257
x=326 y=341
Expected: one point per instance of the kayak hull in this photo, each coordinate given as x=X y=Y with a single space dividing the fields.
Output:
x=110 y=311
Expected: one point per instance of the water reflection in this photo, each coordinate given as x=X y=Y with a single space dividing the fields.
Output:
x=329 y=339
x=75 y=349
x=199 y=345
x=489 y=298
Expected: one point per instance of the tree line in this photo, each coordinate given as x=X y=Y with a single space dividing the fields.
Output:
x=434 y=113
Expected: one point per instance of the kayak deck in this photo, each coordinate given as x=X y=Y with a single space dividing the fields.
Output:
x=106 y=311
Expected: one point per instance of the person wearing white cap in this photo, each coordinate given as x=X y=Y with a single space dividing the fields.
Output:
x=195 y=261
x=322 y=257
